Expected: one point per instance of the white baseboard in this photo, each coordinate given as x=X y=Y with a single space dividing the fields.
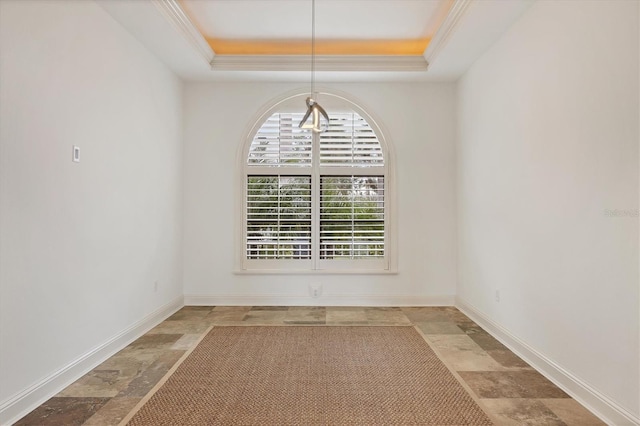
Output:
x=329 y=300
x=22 y=403
x=602 y=406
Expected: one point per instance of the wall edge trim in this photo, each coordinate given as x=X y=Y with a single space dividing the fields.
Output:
x=599 y=404
x=324 y=300
x=25 y=401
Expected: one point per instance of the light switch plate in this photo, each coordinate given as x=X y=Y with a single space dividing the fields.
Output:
x=76 y=154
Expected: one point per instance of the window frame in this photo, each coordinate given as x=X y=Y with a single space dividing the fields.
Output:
x=316 y=265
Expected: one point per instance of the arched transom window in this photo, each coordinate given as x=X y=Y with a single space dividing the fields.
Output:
x=315 y=201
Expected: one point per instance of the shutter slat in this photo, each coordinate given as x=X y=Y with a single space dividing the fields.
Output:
x=352 y=217
x=352 y=207
x=279 y=141
x=349 y=141
x=278 y=217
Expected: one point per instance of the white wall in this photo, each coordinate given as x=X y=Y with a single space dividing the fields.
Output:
x=419 y=122
x=548 y=148
x=81 y=243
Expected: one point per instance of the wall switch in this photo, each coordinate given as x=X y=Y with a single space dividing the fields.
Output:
x=315 y=290
x=76 y=154
x=497 y=295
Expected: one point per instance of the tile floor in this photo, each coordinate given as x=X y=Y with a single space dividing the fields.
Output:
x=509 y=389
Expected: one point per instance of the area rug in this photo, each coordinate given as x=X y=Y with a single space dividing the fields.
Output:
x=302 y=375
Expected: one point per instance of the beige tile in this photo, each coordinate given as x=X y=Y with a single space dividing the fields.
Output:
x=112 y=412
x=306 y=315
x=265 y=317
x=190 y=313
x=485 y=340
x=511 y=384
x=517 y=412
x=132 y=357
x=114 y=374
x=270 y=308
x=470 y=361
x=180 y=327
x=457 y=316
x=340 y=315
x=462 y=353
x=147 y=379
x=468 y=327
x=508 y=359
x=572 y=412
x=386 y=316
x=438 y=327
x=222 y=309
x=227 y=315
x=460 y=342
x=422 y=314
x=97 y=384
x=128 y=361
x=155 y=341
x=186 y=342
x=63 y=411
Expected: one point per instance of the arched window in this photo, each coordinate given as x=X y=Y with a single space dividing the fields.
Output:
x=315 y=201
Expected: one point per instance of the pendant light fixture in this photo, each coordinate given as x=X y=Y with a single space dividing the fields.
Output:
x=314 y=110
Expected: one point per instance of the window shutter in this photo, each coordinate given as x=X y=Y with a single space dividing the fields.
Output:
x=295 y=222
x=352 y=217
x=280 y=142
x=278 y=217
x=350 y=141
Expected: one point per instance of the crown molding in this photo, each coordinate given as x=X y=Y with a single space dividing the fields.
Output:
x=174 y=13
x=446 y=29
x=323 y=63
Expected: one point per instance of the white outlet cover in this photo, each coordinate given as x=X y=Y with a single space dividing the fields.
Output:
x=315 y=290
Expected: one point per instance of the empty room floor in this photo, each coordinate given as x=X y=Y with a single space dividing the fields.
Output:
x=507 y=388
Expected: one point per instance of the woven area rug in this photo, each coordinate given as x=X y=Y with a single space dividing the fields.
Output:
x=290 y=375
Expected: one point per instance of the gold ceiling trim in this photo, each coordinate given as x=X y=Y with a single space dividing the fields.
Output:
x=256 y=47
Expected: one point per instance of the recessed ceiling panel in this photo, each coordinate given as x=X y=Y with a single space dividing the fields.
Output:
x=343 y=27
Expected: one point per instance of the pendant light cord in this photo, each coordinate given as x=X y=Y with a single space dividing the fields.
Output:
x=313 y=46
x=312 y=105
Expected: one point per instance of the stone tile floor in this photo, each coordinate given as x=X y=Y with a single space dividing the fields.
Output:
x=509 y=389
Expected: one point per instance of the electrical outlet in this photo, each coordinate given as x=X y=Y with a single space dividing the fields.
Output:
x=497 y=295
x=315 y=290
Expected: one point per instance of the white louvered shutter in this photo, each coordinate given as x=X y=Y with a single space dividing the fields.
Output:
x=348 y=201
x=351 y=142
x=279 y=217
x=352 y=217
x=280 y=142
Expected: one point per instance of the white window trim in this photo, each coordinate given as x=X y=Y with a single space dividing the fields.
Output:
x=387 y=265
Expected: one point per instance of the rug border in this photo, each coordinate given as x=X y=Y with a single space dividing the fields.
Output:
x=172 y=370
x=459 y=378
x=164 y=379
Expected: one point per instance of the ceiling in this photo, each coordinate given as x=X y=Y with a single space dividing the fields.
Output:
x=352 y=27
x=355 y=40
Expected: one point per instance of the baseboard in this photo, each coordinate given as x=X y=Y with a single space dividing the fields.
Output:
x=602 y=406
x=329 y=300
x=26 y=401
